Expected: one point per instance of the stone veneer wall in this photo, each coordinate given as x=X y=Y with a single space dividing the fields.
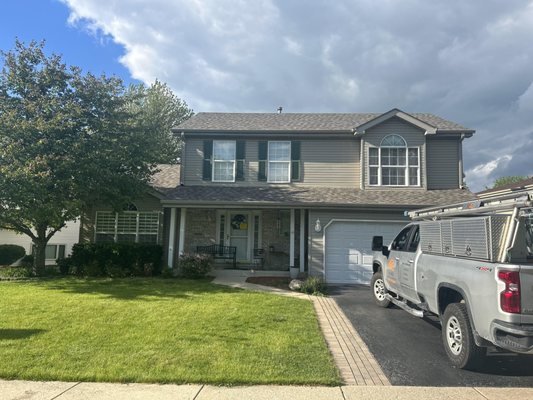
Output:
x=200 y=228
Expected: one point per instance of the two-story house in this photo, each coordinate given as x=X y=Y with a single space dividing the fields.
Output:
x=308 y=190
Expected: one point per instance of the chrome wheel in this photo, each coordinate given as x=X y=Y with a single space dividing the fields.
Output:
x=454 y=335
x=379 y=289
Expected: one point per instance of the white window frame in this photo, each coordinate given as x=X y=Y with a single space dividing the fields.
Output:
x=289 y=174
x=215 y=161
x=56 y=253
x=115 y=231
x=406 y=167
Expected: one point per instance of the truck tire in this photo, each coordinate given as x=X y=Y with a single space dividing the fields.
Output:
x=458 y=339
x=378 y=290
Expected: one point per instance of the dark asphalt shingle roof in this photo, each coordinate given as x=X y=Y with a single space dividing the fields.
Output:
x=313 y=196
x=168 y=177
x=297 y=122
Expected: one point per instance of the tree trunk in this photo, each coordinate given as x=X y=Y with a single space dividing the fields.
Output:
x=39 y=251
x=39 y=254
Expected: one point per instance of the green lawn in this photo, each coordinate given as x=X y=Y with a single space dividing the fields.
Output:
x=156 y=330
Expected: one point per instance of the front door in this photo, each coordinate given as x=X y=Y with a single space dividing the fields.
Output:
x=239 y=234
x=241 y=229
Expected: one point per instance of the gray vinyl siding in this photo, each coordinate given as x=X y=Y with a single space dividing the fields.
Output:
x=443 y=163
x=316 y=240
x=323 y=162
x=330 y=162
x=413 y=136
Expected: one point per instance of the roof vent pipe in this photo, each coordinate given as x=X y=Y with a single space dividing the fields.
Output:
x=280 y=109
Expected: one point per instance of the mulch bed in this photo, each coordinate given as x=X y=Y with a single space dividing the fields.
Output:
x=280 y=282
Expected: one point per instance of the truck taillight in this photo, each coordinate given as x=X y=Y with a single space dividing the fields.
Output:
x=510 y=297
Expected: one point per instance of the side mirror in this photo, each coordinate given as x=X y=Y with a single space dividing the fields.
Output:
x=377 y=243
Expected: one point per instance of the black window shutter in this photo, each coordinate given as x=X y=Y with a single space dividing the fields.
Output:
x=208 y=151
x=295 y=161
x=240 y=158
x=263 y=154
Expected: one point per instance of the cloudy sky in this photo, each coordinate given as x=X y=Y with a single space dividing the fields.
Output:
x=468 y=61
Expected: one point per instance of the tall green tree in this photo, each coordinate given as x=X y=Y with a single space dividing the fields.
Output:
x=507 y=180
x=67 y=141
x=158 y=110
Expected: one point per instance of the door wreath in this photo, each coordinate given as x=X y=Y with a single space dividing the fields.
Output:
x=239 y=222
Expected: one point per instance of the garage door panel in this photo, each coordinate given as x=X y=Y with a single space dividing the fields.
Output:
x=348 y=247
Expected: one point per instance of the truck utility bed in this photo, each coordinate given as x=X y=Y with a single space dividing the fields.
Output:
x=470 y=264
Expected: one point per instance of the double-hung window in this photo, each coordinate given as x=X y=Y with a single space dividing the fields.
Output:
x=393 y=163
x=279 y=162
x=224 y=160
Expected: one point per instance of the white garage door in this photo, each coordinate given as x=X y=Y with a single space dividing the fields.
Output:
x=349 y=249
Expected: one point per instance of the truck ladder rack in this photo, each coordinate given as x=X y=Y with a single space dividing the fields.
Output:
x=502 y=203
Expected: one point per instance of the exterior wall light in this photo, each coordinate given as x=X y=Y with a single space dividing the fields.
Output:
x=318 y=225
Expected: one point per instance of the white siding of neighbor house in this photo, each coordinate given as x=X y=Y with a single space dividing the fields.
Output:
x=67 y=236
x=323 y=162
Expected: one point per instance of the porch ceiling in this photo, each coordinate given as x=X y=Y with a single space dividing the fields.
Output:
x=302 y=196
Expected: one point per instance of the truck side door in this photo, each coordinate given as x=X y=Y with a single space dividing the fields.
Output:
x=402 y=256
x=392 y=269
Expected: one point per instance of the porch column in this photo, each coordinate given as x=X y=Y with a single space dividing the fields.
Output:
x=181 y=242
x=302 y=240
x=171 y=237
x=291 y=260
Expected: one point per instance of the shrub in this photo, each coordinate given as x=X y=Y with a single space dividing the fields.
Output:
x=15 y=272
x=9 y=253
x=313 y=285
x=115 y=259
x=64 y=265
x=27 y=261
x=194 y=266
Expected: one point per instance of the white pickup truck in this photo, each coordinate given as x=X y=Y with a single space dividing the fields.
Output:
x=472 y=266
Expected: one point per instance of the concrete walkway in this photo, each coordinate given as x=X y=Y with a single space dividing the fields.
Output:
x=30 y=390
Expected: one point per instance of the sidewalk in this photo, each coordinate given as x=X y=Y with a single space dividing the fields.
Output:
x=25 y=390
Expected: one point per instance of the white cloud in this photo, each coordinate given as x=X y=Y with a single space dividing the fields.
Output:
x=470 y=63
x=482 y=172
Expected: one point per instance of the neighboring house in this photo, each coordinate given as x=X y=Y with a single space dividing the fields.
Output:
x=525 y=185
x=303 y=190
x=59 y=246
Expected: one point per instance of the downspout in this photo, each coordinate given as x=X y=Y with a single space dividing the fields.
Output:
x=460 y=150
x=183 y=163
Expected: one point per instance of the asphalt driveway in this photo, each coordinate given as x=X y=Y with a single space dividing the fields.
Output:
x=410 y=350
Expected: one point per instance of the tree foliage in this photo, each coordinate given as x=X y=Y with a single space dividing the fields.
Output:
x=158 y=110
x=507 y=180
x=69 y=140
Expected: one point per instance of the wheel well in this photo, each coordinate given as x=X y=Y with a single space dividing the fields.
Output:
x=448 y=296
x=376 y=267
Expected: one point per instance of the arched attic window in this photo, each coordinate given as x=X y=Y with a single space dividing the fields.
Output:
x=393 y=163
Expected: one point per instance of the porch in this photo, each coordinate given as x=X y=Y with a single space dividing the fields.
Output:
x=266 y=239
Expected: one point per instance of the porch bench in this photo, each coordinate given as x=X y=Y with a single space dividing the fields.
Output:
x=218 y=251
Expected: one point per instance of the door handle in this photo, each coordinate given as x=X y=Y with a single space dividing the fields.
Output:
x=397 y=258
x=411 y=261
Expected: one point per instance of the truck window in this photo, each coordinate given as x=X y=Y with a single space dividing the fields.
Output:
x=400 y=242
x=415 y=239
